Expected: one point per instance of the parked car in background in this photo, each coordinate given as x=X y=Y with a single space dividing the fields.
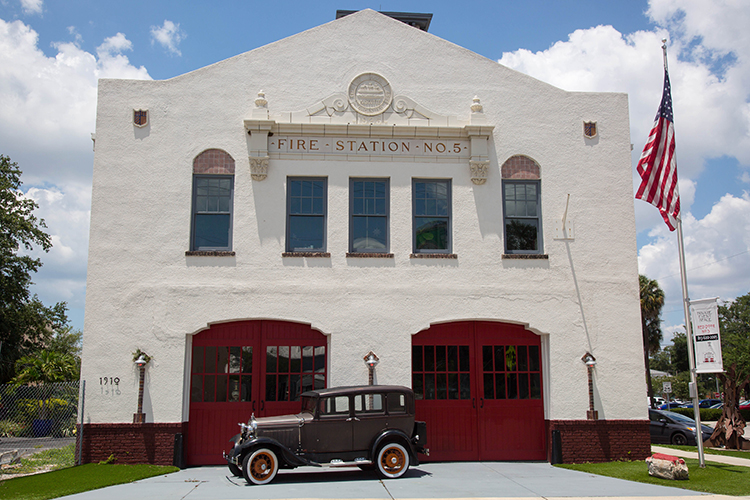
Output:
x=368 y=426
x=717 y=406
x=703 y=403
x=744 y=405
x=673 y=404
x=674 y=428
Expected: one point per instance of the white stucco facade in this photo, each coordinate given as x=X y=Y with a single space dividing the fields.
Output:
x=144 y=292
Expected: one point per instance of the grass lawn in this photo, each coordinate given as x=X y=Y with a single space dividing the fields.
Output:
x=76 y=480
x=715 y=478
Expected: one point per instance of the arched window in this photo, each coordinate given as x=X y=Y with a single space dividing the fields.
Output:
x=213 y=200
x=522 y=206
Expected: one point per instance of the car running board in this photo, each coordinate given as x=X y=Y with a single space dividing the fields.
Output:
x=340 y=463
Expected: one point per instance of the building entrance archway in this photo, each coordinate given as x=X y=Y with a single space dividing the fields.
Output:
x=246 y=367
x=478 y=385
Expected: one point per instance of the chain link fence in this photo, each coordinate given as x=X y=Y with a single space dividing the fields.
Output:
x=39 y=427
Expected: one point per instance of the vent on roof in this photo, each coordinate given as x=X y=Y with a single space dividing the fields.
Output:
x=421 y=21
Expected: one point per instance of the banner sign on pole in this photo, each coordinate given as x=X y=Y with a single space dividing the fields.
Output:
x=707 y=338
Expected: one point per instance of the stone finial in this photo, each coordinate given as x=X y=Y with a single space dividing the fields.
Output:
x=476 y=106
x=261 y=101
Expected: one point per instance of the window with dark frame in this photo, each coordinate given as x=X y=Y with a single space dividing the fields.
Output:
x=292 y=370
x=222 y=374
x=511 y=372
x=211 y=227
x=441 y=372
x=368 y=215
x=522 y=216
x=306 y=214
x=431 y=216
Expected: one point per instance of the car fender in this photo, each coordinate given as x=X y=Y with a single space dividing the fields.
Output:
x=287 y=455
x=398 y=436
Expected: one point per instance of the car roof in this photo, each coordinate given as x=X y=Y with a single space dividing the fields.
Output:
x=356 y=389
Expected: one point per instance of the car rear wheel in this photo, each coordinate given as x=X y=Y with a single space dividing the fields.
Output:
x=679 y=439
x=393 y=461
x=260 y=466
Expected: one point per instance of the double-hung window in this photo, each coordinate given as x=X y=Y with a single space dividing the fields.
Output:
x=212 y=212
x=521 y=211
x=306 y=214
x=432 y=216
x=368 y=223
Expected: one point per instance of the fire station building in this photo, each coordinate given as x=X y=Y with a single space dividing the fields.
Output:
x=261 y=225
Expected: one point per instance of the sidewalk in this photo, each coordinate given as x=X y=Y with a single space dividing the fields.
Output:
x=722 y=459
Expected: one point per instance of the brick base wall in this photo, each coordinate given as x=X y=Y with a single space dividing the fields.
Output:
x=602 y=440
x=131 y=443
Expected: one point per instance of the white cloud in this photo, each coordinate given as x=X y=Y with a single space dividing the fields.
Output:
x=169 y=36
x=47 y=113
x=48 y=104
x=32 y=6
x=709 y=66
x=717 y=255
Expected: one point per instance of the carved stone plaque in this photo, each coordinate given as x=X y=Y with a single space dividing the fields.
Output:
x=370 y=94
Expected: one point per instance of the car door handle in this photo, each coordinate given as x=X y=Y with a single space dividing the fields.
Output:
x=352 y=418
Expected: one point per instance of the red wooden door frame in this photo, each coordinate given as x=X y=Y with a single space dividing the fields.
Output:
x=478 y=428
x=212 y=424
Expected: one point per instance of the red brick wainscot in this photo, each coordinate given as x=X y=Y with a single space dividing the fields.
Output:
x=601 y=440
x=131 y=443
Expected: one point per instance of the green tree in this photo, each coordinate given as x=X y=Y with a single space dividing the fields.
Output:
x=46 y=367
x=25 y=322
x=652 y=300
x=734 y=319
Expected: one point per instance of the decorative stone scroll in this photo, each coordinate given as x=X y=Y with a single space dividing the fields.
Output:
x=258 y=167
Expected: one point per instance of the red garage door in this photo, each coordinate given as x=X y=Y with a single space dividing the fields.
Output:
x=479 y=388
x=248 y=367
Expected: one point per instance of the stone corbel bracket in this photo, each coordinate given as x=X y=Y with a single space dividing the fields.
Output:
x=479 y=132
x=257 y=131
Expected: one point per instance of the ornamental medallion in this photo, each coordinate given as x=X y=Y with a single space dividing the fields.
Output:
x=370 y=94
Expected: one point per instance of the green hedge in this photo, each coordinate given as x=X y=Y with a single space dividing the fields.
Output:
x=709 y=414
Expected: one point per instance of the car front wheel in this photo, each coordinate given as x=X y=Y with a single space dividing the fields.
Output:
x=260 y=466
x=679 y=439
x=236 y=471
x=393 y=461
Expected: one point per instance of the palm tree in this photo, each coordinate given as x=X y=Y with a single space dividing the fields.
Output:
x=652 y=300
x=46 y=367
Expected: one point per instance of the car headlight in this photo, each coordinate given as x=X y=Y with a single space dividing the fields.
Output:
x=691 y=429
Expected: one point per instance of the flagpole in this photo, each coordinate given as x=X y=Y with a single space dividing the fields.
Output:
x=688 y=325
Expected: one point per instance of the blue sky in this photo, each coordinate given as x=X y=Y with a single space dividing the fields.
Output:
x=51 y=54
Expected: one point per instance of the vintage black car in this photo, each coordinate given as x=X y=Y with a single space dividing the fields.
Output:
x=367 y=426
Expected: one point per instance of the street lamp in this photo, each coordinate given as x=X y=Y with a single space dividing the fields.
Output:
x=371 y=360
x=590 y=360
x=140 y=359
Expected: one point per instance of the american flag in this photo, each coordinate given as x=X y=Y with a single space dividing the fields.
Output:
x=658 y=165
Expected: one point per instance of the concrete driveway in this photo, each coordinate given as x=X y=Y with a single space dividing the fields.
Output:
x=459 y=480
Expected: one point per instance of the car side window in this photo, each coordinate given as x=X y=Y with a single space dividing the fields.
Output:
x=368 y=404
x=336 y=405
x=396 y=402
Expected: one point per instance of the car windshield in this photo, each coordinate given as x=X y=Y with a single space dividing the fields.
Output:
x=678 y=417
x=308 y=404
